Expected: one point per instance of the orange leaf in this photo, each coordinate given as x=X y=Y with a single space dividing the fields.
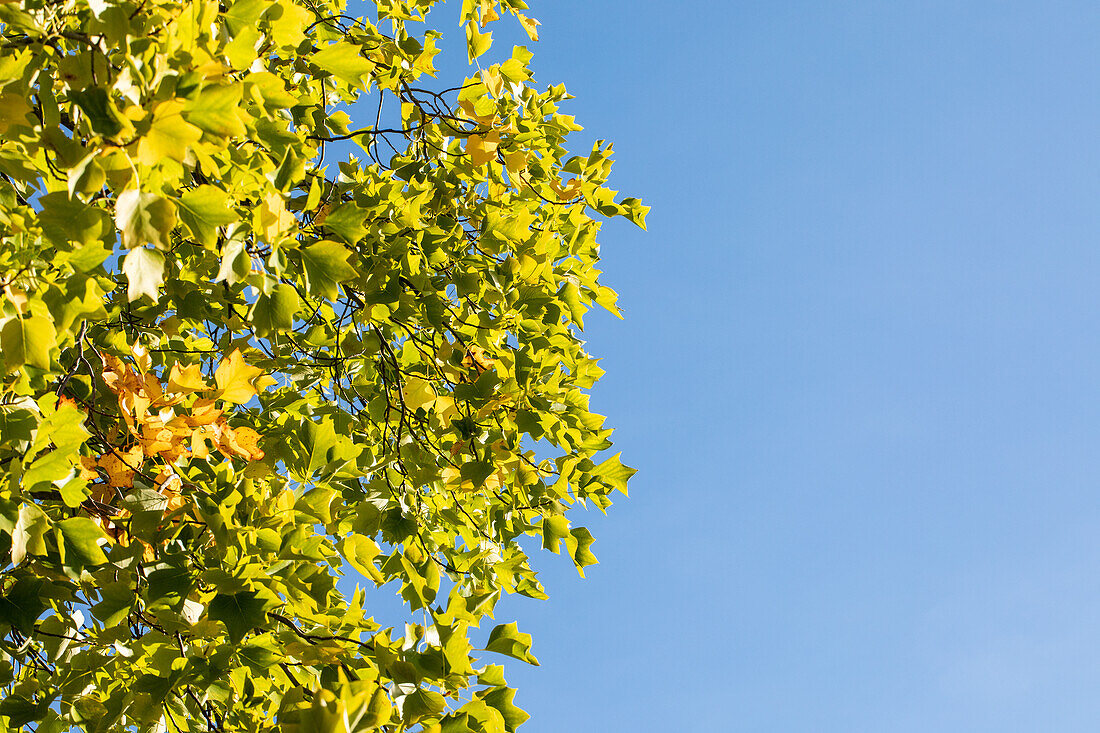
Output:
x=568 y=192
x=87 y=468
x=118 y=376
x=203 y=412
x=121 y=466
x=240 y=442
x=175 y=501
x=186 y=379
x=475 y=355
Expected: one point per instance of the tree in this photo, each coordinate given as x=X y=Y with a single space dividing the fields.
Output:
x=240 y=377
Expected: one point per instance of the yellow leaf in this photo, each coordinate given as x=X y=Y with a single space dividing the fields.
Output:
x=488 y=14
x=13 y=110
x=175 y=501
x=198 y=441
x=186 y=379
x=118 y=376
x=141 y=357
x=274 y=219
x=570 y=191
x=17 y=298
x=284 y=502
x=445 y=409
x=487 y=115
x=530 y=25
x=418 y=393
x=87 y=468
x=169 y=136
x=482 y=148
x=452 y=479
x=249 y=439
x=492 y=79
x=516 y=162
x=235 y=379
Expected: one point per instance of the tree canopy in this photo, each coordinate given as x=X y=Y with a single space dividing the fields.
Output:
x=249 y=377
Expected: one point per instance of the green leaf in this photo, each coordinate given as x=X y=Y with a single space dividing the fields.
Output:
x=326 y=265
x=47 y=468
x=82 y=298
x=169 y=586
x=570 y=295
x=82 y=538
x=63 y=425
x=507 y=639
x=614 y=473
x=29 y=536
x=290 y=171
x=360 y=551
x=347 y=221
x=20 y=710
x=578 y=542
x=554 y=529
x=317 y=503
x=343 y=61
x=144 y=218
x=65 y=220
x=240 y=612
x=244 y=13
x=28 y=341
x=87 y=176
x=215 y=111
x=260 y=654
x=170 y=136
x=478 y=717
x=501 y=699
x=477 y=42
x=288 y=23
x=236 y=263
x=22 y=603
x=144 y=269
x=116 y=601
x=476 y=471
x=203 y=210
x=97 y=106
x=276 y=312
x=421 y=704
x=318 y=439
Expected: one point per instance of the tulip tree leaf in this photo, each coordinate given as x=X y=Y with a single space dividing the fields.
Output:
x=507 y=639
x=82 y=538
x=144 y=270
x=203 y=209
x=28 y=341
x=326 y=265
x=240 y=612
x=269 y=352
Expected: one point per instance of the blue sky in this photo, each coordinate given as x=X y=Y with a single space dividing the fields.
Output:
x=858 y=373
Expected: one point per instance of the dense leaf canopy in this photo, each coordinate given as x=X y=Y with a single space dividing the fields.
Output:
x=242 y=375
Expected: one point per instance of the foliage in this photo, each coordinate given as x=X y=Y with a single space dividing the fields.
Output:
x=235 y=373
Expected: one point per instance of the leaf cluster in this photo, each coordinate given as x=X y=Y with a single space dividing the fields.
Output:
x=238 y=377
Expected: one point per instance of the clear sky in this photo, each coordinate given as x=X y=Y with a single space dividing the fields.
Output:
x=858 y=374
